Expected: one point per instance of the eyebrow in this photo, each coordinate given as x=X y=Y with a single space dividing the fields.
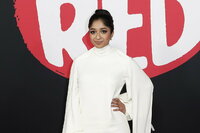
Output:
x=100 y=28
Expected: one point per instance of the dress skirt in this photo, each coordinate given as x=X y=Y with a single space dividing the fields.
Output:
x=119 y=125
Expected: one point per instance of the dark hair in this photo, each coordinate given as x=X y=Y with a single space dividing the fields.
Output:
x=105 y=16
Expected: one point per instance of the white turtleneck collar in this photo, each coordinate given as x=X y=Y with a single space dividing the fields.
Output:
x=103 y=50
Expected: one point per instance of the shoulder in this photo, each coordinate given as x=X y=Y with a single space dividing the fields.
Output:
x=127 y=59
x=122 y=55
x=83 y=56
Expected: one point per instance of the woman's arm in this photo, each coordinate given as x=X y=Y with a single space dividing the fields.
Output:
x=140 y=90
x=72 y=111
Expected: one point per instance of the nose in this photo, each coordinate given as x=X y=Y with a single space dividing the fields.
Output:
x=98 y=36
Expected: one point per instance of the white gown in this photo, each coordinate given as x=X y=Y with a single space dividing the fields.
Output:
x=96 y=78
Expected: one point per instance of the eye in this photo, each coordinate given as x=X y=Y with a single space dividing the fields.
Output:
x=104 y=31
x=92 y=32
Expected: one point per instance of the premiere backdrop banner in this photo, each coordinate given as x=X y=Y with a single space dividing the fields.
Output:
x=40 y=38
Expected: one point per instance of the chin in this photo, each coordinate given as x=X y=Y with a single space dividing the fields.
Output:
x=99 y=46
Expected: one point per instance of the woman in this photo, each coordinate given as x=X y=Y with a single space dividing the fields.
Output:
x=97 y=77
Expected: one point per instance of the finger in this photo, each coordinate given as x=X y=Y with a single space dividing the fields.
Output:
x=115 y=100
x=121 y=106
x=119 y=101
x=114 y=105
x=116 y=109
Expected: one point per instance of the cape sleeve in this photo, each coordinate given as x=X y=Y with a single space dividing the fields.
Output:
x=140 y=92
x=72 y=111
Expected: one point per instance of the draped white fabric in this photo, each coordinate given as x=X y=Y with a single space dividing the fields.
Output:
x=96 y=78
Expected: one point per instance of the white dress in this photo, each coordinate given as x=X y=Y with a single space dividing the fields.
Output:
x=96 y=78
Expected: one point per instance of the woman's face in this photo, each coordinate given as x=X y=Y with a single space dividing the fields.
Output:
x=100 y=35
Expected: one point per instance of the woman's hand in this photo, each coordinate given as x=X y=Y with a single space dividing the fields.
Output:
x=117 y=103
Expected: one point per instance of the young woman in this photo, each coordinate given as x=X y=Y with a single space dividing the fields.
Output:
x=97 y=77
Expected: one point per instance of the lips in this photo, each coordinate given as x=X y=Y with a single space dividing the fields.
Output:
x=98 y=42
